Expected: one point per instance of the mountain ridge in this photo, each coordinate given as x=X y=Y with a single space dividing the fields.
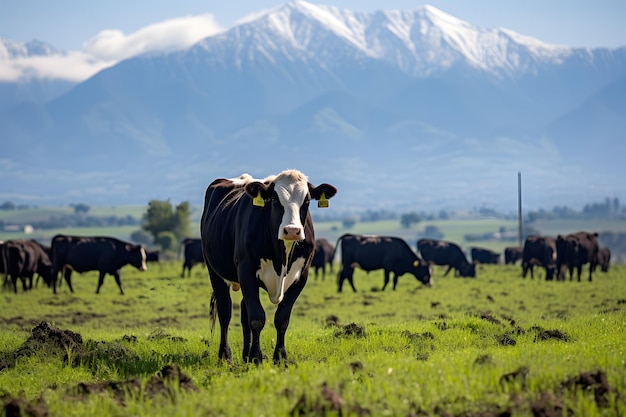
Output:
x=296 y=87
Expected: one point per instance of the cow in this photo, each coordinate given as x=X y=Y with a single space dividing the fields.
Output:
x=484 y=256
x=604 y=259
x=539 y=250
x=439 y=252
x=370 y=253
x=324 y=254
x=512 y=254
x=259 y=234
x=192 y=252
x=153 y=256
x=22 y=259
x=107 y=255
x=575 y=250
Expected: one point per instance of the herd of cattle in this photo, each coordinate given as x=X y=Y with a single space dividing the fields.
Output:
x=258 y=234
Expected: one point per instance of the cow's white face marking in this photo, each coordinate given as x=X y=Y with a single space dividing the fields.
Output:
x=144 y=266
x=291 y=187
x=275 y=284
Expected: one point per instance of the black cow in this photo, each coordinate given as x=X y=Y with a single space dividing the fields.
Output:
x=484 y=256
x=153 y=256
x=379 y=252
x=575 y=250
x=107 y=255
x=22 y=259
x=324 y=254
x=439 y=252
x=604 y=259
x=512 y=254
x=539 y=250
x=192 y=252
x=259 y=234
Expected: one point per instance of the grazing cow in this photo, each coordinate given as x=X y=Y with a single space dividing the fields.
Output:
x=153 y=256
x=259 y=234
x=575 y=250
x=22 y=259
x=604 y=259
x=512 y=254
x=484 y=256
x=539 y=250
x=106 y=255
x=324 y=254
x=379 y=252
x=192 y=251
x=439 y=252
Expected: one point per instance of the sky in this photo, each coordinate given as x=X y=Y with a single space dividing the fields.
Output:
x=97 y=34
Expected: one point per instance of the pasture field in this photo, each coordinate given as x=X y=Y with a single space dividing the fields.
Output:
x=497 y=345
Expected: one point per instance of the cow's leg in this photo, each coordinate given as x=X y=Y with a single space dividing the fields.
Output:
x=67 y=274
x=247 y=333
x=256 y=314
x=579 y=270
x=524 y=269
x=386 y=279
x=100 y=281
x=282 y=316
x=224 y=304
x=395 y=280
x=448 y=270
x=351 y=279
x=118 y=280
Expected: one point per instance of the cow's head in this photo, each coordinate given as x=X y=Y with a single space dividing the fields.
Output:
x=137 y=256
x=468 y=270
x=287 y=195
x=423 y=272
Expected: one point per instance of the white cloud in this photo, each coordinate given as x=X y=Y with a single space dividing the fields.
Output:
x=109 y=47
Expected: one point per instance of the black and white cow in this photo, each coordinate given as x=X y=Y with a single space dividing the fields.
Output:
x=370 y=252
x=106 y=255
x=259 y=234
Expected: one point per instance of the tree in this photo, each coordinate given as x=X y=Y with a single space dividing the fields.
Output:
x=81 y=208
x=162 y=217
x=407 y=219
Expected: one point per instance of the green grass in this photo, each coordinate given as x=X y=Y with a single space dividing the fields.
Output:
x=429 y=351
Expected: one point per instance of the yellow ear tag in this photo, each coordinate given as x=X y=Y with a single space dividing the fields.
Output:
x=258 y=200
x=322 y=202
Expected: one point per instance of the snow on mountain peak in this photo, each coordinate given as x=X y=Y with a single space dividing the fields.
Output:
x=420 y=41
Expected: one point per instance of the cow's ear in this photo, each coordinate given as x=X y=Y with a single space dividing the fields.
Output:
x=259 y=192
x=322 y=193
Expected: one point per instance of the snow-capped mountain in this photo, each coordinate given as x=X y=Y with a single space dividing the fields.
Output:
x=411 y=109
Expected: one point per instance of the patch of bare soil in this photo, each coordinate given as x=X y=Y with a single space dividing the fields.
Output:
x=165 y=383
x=595 y=381
x=49 y=340
x=329 y=401
x=543 y=334
x=19 y=407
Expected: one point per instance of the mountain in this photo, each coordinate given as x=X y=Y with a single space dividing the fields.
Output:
x=408 y=110
x=30 y=89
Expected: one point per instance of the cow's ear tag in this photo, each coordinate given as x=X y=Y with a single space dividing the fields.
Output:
x=258 y=200
x=322 y=202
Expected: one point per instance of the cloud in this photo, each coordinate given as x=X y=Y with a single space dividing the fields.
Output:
x=109 y=47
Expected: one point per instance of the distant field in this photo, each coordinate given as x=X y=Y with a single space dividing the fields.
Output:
x=454 y=229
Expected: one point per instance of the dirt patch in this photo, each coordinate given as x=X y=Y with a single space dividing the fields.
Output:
x=48 y=340
x=165 y=383
x=595 y=381
x=350 y=329
x=543 y=334
x=505 y=339
x=18 y=407
x=329 y=401
x=517 y=376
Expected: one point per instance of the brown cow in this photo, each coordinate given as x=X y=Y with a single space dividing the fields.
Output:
x=539 y=250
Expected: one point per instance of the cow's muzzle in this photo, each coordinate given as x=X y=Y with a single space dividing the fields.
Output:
x=293 y=233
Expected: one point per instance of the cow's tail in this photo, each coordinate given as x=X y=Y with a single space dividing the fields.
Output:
x=5 y=264
x=337 y=245
x=212 y=312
